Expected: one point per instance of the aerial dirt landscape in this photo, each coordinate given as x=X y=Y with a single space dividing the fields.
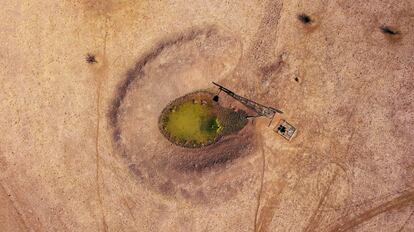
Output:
x=205 y=115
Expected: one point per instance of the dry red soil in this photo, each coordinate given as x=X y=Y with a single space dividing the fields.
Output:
x=84 y=82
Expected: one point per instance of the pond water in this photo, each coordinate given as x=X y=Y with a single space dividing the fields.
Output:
x=192 y=122
x=195 y=120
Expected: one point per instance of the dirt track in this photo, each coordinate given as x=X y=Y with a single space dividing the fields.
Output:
x=82 y=150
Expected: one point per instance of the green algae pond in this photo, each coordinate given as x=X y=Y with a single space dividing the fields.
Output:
x=194 y=120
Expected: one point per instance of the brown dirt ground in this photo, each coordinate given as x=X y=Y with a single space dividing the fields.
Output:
x=82 y=150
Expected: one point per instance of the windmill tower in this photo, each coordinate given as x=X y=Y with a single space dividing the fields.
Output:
x=283 y=128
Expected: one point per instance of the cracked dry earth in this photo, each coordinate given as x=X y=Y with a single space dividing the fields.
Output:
x=84 y=82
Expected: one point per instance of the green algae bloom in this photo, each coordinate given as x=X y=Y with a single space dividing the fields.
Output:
x=194 y=120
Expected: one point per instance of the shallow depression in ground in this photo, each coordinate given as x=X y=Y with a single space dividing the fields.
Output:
x=192 y=121
x=196 y=120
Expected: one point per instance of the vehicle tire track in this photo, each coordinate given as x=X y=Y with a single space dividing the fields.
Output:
x=315 y=218
x=396 y=203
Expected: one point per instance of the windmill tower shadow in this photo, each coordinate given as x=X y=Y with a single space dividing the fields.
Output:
x=285 y=129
